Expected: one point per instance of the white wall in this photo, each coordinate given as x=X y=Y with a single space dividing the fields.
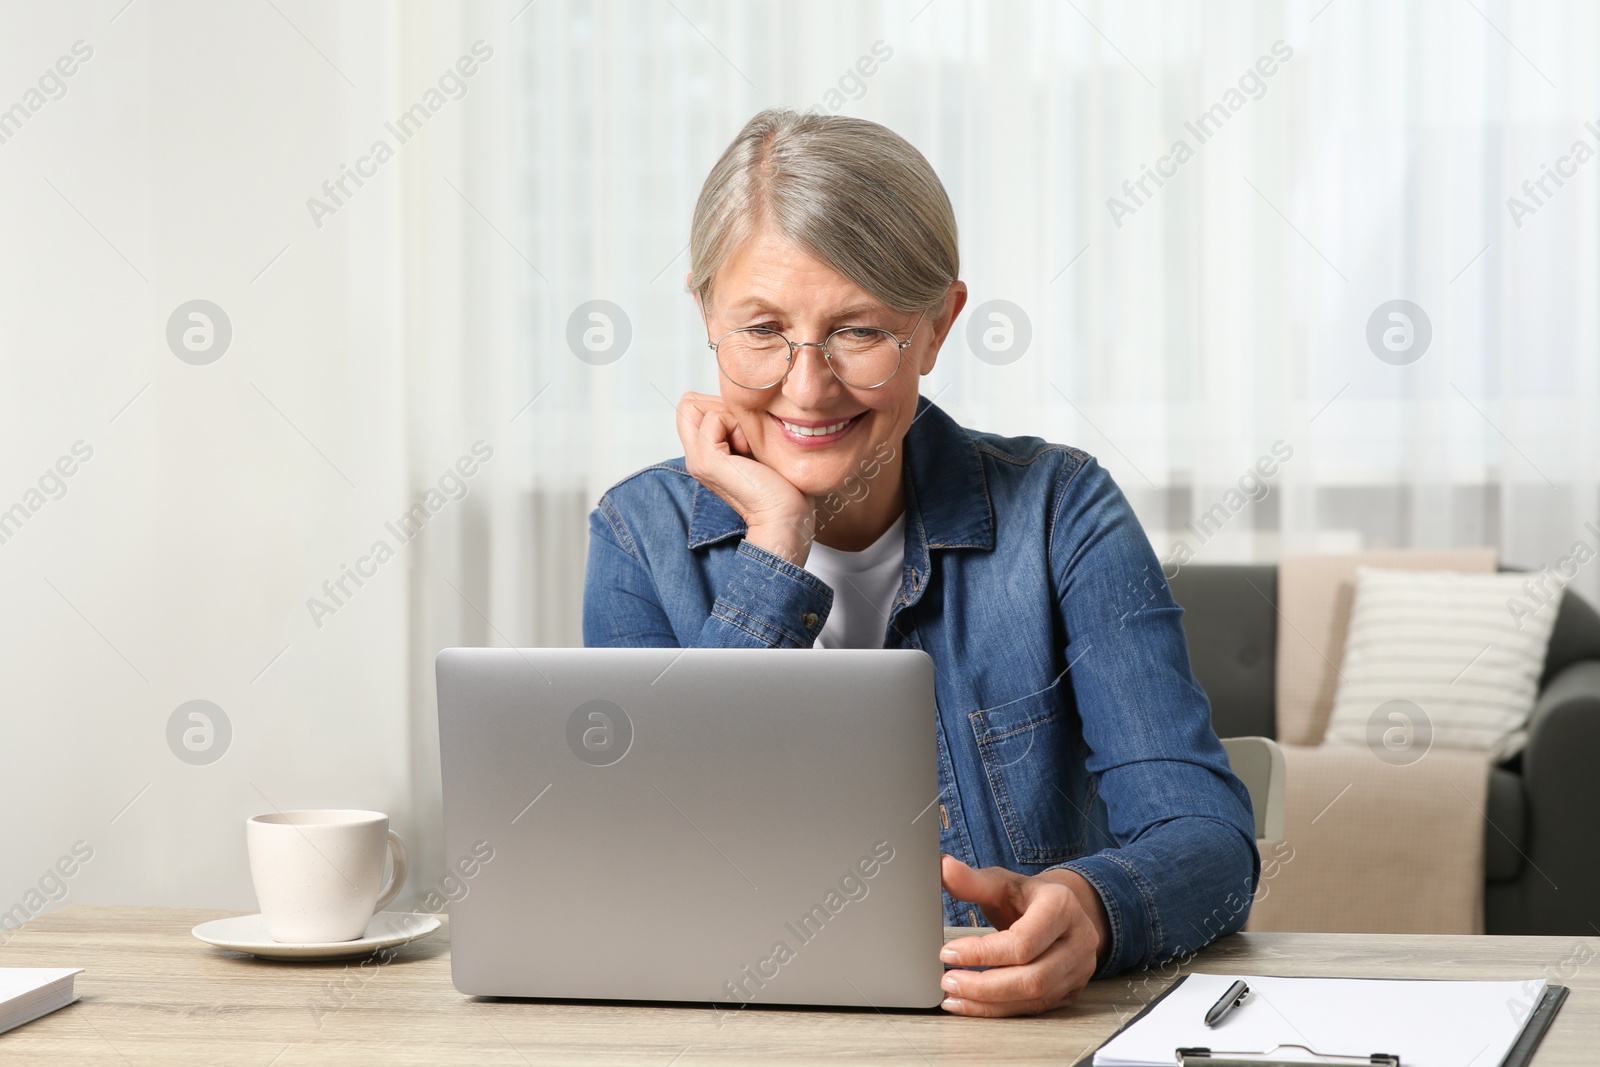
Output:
x=218 y=497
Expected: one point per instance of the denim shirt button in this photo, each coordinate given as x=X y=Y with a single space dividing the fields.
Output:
x=810 y=620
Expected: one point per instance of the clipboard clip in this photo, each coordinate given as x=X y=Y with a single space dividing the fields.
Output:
x=1205 y=1057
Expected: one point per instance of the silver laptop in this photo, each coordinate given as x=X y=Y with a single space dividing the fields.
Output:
x=730 y=826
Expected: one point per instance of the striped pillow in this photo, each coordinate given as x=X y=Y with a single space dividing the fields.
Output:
x=1439 y=658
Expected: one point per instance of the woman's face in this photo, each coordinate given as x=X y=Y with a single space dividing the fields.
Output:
x=770 y=282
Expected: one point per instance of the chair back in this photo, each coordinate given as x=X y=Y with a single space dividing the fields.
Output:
x=1258 y=761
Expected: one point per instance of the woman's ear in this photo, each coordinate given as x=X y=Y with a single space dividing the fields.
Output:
x=705 y=316
x=688 y=280
x=955 y=298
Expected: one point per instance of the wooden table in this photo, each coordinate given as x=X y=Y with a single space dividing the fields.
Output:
x=152 y=994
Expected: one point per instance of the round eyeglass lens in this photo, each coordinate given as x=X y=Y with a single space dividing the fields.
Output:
x=863 y=357
x=754 y=359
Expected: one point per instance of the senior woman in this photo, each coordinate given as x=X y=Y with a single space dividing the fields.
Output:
x=1086 y=807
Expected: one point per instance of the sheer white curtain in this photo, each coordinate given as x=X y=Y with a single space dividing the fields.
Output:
x=1177 y=340
x=1340 y=156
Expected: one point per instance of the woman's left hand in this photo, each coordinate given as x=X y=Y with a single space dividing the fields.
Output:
x=1051 y=934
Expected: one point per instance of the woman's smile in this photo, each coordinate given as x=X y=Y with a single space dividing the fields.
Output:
x=815 y=433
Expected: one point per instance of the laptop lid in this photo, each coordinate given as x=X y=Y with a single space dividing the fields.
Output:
x=720 y=825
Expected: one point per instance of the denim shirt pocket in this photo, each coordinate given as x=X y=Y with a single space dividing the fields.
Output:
x=1030 y=747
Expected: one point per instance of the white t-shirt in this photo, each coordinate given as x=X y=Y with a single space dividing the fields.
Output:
x=865 y=585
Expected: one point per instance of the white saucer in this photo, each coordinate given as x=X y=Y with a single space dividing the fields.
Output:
x=248 y=933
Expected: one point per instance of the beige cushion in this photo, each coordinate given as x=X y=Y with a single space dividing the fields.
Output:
x=1314 y=597
x=1370 y=847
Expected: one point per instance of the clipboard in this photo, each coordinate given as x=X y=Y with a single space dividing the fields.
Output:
x=1519 y=1055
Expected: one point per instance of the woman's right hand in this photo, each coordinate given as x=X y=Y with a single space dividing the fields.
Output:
x=718 y=456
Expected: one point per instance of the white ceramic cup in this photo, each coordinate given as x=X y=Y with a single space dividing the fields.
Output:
x=318 y=873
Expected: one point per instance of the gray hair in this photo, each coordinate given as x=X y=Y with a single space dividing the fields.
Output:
x=852 y=193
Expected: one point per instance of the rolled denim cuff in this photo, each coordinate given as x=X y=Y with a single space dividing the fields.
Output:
x=1127 y=909
x=768 y=602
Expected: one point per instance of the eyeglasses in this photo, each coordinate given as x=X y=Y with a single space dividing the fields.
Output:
x=862 y=357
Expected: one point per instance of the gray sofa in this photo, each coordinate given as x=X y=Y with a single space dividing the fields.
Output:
x=1542 y=836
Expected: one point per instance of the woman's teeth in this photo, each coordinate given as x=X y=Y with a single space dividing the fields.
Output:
x=816 y=431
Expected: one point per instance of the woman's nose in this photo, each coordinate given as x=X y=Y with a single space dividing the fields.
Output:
x=810 y=383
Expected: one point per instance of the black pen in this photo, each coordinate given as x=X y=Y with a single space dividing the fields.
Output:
x=1231 y=999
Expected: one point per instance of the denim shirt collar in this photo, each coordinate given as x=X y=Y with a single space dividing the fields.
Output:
x=947 y=494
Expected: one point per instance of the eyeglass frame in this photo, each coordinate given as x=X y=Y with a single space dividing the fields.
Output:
x=827 y=357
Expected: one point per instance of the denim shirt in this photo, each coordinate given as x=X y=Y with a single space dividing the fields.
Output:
x=1071 y=731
